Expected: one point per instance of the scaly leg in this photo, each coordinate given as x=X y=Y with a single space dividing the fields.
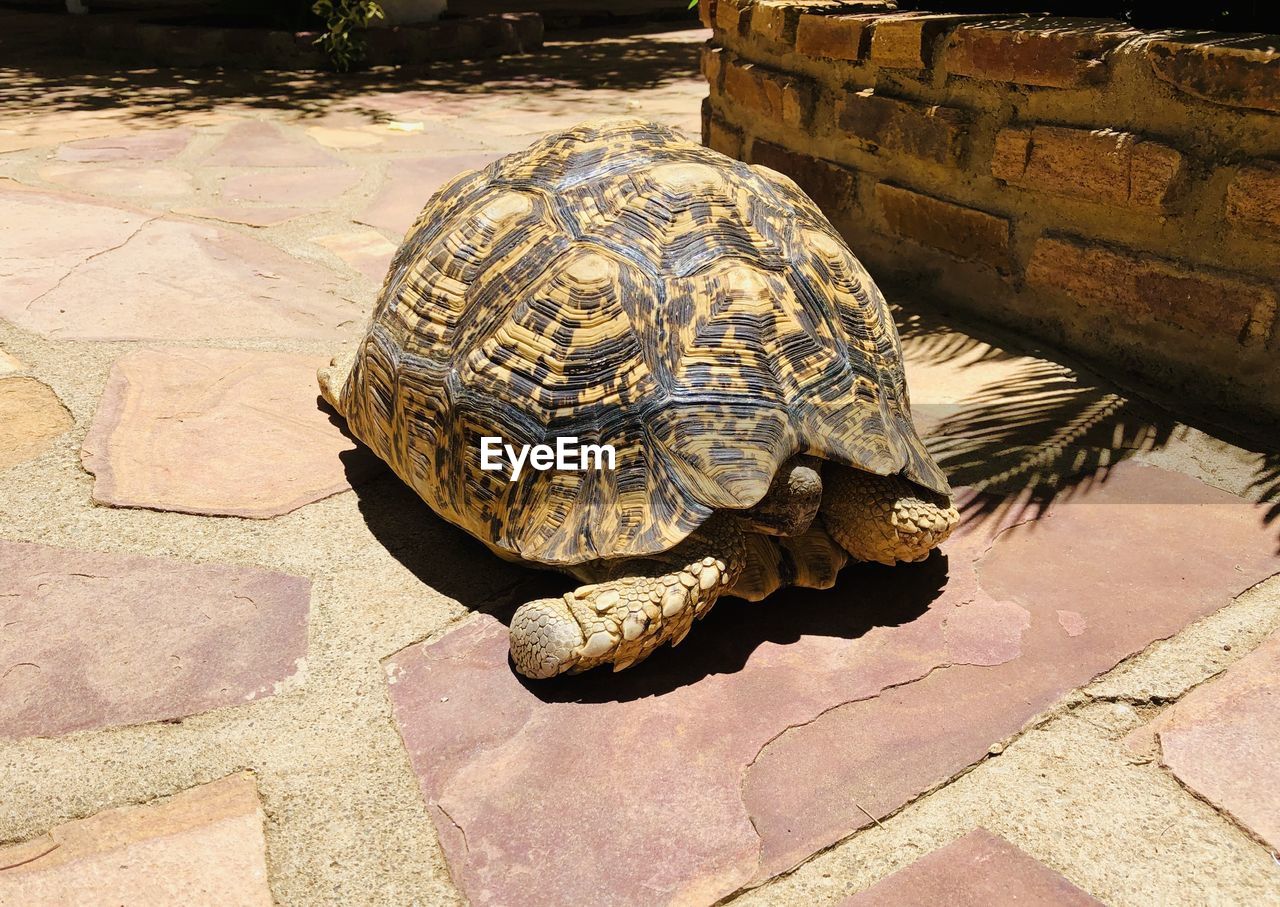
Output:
x=884 y=518
x=624 y=618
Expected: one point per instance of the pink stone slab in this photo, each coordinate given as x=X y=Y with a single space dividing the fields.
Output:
x=201 y=846
x=31 y=416
x=137 y=184
x=1223 y=741
x=44 y=235
x=249 y=216
x=368 y=251
x=77 y=269
x=769 y=731
x=978 y=870
x=256 y=143
x=155 y=145
x=307 y=187
x=411 y=183
x=97 y=640
x=218 y=432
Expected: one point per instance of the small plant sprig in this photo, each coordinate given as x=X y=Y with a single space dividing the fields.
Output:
x=343 y=20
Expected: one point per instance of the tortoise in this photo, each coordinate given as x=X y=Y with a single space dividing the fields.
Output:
x=620 y=285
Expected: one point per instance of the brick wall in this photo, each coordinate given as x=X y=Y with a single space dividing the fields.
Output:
x=1112 y=191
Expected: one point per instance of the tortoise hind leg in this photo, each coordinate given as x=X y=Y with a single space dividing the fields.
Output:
x=333 y=379
x=622 y=620
x=886 y=519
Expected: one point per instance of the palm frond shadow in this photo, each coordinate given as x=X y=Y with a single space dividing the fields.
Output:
x=1266 y=486
x=1041 y=435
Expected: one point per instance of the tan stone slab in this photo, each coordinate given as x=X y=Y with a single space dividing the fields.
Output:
x=366 y=250
x=98 y=640
x=219 y=432
x=31 y=415
x=78 y=269
x=138 y=184
x=257 y=143
x=204 y=846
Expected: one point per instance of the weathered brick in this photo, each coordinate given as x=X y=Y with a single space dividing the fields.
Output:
x=1053 y=53
x=964 y=232
x=712 y=64
x=1253 y=198
x=720 y=135
x=732 y=16
x=1143 y=289
x=834 y=37
x=1100 y=165
x=1237 y=72
x=832 y=186
x=707 y=13
x=774 y=21
x=907 y=41
x=779 y=96
x=920 y=130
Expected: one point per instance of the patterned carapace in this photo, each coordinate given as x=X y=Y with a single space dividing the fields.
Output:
x=625 y=286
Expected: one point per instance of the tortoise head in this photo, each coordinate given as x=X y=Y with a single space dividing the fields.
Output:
x=791 y=503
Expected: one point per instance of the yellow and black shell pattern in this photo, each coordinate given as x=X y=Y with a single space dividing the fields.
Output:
x=623 y=286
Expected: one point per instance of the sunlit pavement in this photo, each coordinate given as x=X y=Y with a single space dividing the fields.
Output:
x=238 y=657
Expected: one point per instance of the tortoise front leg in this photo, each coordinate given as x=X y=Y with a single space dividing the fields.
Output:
x=884 y=518
x=623 y=619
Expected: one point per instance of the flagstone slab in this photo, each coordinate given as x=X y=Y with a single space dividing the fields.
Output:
x=977 y=870
x=306 y=186
x=366 y=250
x=75 y=268
x=1222 y=740
x=153 y=145
x=777 y=729
x=31 y=416
x=137 y=184
x=336 y=137
x=249 y=216
x=203 y=846
x=218 y=432
x=98 y=640
x=411 y=183
x=257 y=143
x=44 y=235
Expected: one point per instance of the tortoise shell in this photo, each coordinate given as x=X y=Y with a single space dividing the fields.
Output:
x=625 y=286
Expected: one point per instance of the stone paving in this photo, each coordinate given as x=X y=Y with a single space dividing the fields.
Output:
x=239 y=662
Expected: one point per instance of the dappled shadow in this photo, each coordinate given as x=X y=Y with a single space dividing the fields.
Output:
x=1048 y=429
x=866 y=596
x=39 y=75
x=438 y=553
x=1266 y=486
x=1041 y=434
